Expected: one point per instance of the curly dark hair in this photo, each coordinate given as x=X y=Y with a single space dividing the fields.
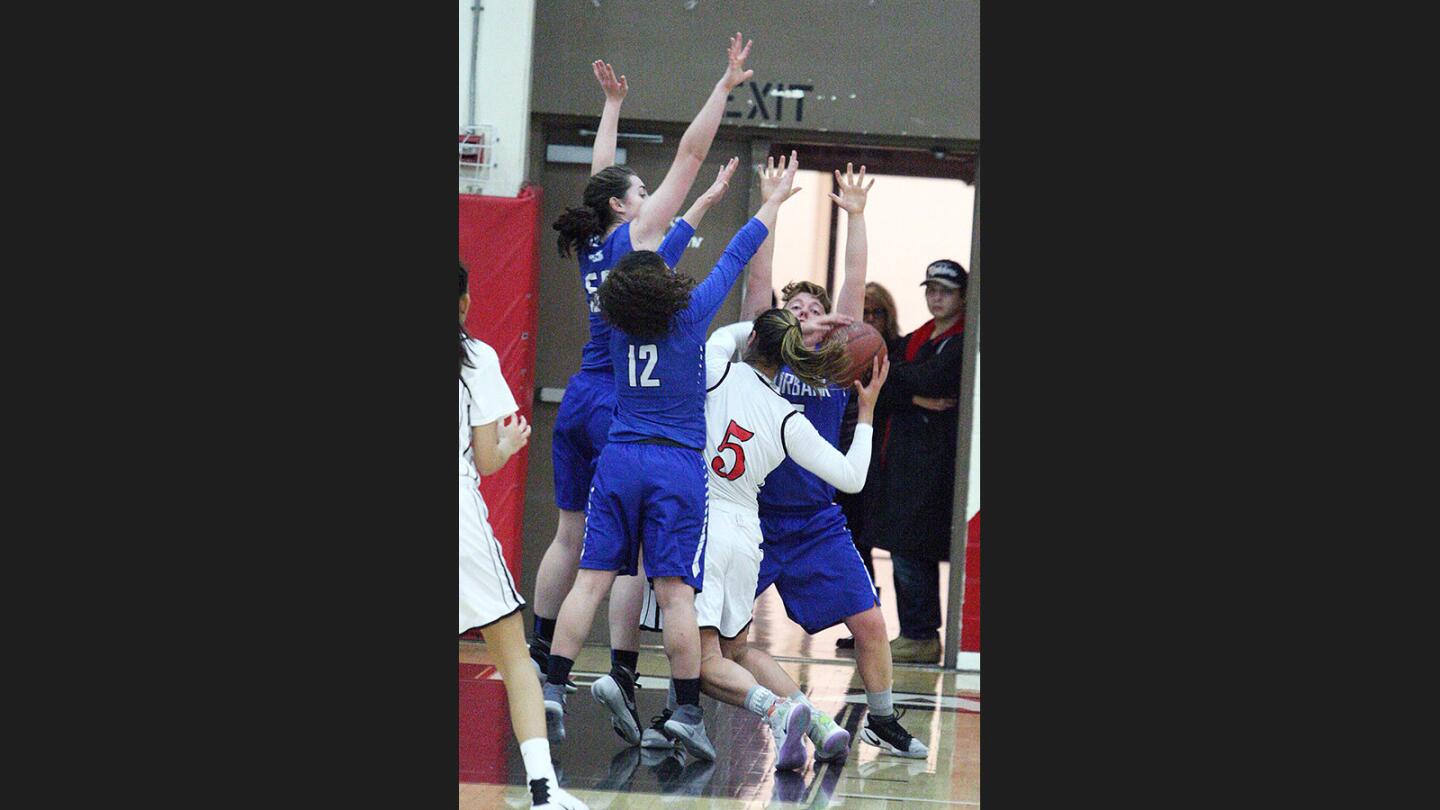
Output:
x=578 y=225
x=641 y=295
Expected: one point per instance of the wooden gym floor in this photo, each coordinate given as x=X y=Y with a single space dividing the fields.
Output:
x=942 y=710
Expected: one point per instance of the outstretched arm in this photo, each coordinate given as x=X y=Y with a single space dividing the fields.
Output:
x=712 y=195
x=759 y=280
x=615 y=90
x=705 y=301
x=852 y=196
x=655 y=216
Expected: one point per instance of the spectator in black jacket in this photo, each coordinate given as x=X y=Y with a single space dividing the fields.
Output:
x=909 y=504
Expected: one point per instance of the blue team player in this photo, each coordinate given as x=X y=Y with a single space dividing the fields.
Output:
x=808 y=553
x=618 y=215
x=649 y=490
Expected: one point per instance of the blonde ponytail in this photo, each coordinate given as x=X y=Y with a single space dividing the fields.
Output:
x=780 y=341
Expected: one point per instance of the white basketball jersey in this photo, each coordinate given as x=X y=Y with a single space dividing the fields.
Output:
x=744 y=420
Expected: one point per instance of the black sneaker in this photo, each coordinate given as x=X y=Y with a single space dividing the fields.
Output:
x=616 y=692
x=541 y=661
x=655 y=736
x=887 y=735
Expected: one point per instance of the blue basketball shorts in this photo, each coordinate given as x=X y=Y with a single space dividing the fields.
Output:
x=651 y=496
x=581 y=429
x=812 y=562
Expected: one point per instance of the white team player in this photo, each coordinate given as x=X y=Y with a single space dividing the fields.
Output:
x=490 y=433
x=750 y=430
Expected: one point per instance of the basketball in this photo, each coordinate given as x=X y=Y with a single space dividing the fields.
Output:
x=862 y=343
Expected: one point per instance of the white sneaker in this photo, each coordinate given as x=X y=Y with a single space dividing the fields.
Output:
x=832 y=743
x=789 y=730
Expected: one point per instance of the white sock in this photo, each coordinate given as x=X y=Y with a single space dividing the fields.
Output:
x=760 y=701
x=536 y=753
x=881 y=703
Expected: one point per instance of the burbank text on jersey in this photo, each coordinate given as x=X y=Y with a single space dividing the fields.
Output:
x=791 y=385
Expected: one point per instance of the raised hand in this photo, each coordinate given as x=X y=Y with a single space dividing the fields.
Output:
x=781 y=189
x=853 y=189
x=867 y=394
x=615 y=89
x=770 y=176
x=513 y=433
x=816 y=330
x=717 y=189
x=735 y=72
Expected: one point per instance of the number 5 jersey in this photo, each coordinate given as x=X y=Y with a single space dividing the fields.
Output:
x=750 y=429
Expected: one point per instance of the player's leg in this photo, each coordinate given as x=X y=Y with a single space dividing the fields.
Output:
x=616 y=690
x=682 y=647
x=831 y=741
x=553 y=581
x=505 y=640
x=571 y=627
x=872 y=654
x=728 y=682
x=581 y=427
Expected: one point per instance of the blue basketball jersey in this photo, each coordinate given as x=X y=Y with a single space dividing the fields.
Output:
x=595 y=264
x=660 y=384
x=790 y=487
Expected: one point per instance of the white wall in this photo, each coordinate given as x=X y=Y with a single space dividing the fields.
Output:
x=909 y=223
x=503 y=76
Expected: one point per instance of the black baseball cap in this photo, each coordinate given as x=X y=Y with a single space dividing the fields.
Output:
x=946 y=273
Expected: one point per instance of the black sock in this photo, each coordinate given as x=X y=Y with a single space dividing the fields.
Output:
x=544 y=629
x=629 y=660
x=540 y=653
x=687 y=691
x=560 y=669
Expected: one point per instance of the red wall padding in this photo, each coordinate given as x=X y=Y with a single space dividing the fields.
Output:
x=970 y=612
x=499 y=246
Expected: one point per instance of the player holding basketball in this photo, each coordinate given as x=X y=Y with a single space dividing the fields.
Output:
x=649 y=489
x=489 y=436
x=808 y=553
x=618 y=215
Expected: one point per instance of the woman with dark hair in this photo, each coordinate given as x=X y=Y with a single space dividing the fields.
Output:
x=617 y=215
x=490 y=434
x=881 y=314
x=750 y=429
x=650 y=479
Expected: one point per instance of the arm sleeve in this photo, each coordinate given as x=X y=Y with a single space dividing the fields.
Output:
x=705 y=301
x=489 y=393
x=937 y=376
x=844 y=472
x=722 y=346
x=675 y=242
